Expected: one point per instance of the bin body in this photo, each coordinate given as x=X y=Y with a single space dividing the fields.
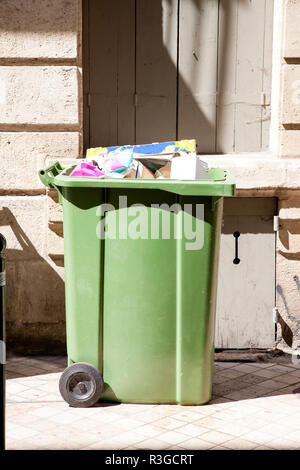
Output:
x=141 y=308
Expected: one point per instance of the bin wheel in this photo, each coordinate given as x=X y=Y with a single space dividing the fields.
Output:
x=81 y=385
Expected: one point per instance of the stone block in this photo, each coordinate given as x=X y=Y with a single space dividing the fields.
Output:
x=22 y=154
x=289 y=143
x=291 y=37
x=290 y=112
x=23 y=223
x=39 y=96
x=39 y=29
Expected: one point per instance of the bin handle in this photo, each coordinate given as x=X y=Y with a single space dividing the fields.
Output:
x=48 y=174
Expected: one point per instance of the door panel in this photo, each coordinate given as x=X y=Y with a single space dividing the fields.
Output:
x=112 y=72
x=156 y=70
x=198 y=53
x=246 y=291
x=166 y=69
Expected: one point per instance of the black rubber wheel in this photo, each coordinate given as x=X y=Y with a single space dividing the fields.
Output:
x=81 y=385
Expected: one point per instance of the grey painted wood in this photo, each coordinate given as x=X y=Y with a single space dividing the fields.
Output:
x=204 y=74
x=246 y=291
x=156 y=70
x=267 y=75
x=244 y=69
x=112 y=71
x=198 y=43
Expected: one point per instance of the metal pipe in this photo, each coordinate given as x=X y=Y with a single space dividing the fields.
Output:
x=2 y=341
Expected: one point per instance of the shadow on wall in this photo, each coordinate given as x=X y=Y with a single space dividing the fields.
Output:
x=35 y=312
x=290 y=324
x=176 y=91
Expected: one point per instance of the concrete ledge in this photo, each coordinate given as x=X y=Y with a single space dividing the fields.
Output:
x=259 y=174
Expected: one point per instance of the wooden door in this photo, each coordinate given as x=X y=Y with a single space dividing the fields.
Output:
x=166 y=69
x=246 y=282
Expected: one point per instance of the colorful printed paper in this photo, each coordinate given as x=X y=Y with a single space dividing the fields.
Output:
x=146 y=149
x=84 y=169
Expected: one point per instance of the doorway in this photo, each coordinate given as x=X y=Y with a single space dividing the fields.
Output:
x=178 y=69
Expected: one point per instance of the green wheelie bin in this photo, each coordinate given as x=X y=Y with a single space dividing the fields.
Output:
x=141 y=259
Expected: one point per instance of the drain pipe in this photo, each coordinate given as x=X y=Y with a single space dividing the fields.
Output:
x=2 y=341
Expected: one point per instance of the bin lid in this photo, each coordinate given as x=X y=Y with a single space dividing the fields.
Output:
x=220 y=182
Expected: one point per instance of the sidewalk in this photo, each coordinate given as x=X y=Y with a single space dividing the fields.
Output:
x=255 y=406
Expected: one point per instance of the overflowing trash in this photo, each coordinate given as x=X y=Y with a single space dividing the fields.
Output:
x=174 y=160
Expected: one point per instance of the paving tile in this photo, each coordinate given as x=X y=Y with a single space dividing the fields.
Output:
x=31 y=394
x=208 y=409
x=288 y=379
x=231 y=373
x=267 y=373
x=282 y=368
x=284 y=444
x=66 y=417
x=272 y=384
x=149 y=430
x=216 y=437
x=246 y=368
x=152 y=444
x=175 y=448
x=249 y=392
x=12 y=375
x=220 y=401
x=229 y=386
x=257 y=436
x=192 y=430
x=149 y=417
x=259 y=407
x=219 y=448
x=20 y=432
x=173 y=437
x=240 y=444
x=196 y=444
x=131 y=437
x=226 y=365
x=262 y=365
x=105 y=417
x=263 y=448
x=235 y=429
x=219 y=378
x=217 y=367
x=296 y=373
x=109 y=444
x=210 y=422
x=13 y=388
x=187 y=416
x=169 y=423
x=293 y=436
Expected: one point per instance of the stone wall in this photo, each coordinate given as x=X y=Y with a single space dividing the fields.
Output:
x=41 y=119
x=40 y=100
x=288 y=240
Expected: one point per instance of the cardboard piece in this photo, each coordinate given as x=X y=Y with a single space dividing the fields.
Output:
x=144 y=172
x=164 y=171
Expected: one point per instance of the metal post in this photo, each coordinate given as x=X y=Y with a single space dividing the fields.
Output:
x=2 y=340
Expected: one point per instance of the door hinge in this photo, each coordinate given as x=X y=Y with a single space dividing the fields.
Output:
x=276 y=223
x=89 y=100
x=275 y=315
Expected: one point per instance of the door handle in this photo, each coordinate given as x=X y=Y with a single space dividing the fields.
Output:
x=236 y=259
